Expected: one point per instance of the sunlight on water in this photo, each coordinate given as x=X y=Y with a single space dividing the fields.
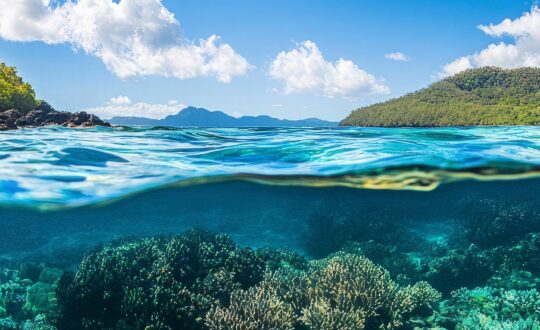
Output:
x=47 y=167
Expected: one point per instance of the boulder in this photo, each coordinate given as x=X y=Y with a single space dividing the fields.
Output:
x=44 y=115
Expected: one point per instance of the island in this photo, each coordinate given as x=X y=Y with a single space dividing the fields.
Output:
x=200 y=117
x=487 y=96
x=19 y=107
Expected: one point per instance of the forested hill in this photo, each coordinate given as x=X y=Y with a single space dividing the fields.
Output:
x=483 y=96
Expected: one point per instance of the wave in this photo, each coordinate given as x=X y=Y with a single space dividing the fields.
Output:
x=56 y=167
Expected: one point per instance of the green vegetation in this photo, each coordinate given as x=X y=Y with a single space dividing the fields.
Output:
x=14 y=92
x=484 y=96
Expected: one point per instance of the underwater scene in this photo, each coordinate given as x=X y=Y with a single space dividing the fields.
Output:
x=270 y=228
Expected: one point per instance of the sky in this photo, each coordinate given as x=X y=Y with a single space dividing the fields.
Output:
x=285 y=58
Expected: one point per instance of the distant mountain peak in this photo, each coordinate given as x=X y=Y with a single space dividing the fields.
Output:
x=201 y=117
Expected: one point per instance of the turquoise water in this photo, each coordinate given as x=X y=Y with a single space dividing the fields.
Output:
x=55 y=167
x=457 y=208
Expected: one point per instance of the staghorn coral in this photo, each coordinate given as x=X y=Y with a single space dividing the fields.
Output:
x=354 y=285
x=257 y=308
x=344 y=291
x=404 y=267
x=422 y=293
x=322 y=315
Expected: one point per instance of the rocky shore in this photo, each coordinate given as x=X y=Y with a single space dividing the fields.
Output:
x=44 y=115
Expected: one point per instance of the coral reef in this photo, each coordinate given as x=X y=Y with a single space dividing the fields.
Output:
x=27 y=296
x=203 y=280
x=490 y=308
x=457 y=268
x=344 y=291
x=330 y=230
x=404 y=267
x=160 y=282
x=490 y=223
x=257 y=308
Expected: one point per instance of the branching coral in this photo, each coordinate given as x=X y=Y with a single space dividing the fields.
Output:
x=402 y=266
x=322 y=315
x=353 y=285
x=258 y=308
x=344 y=291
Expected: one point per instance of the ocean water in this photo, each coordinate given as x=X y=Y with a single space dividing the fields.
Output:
x=458 y=208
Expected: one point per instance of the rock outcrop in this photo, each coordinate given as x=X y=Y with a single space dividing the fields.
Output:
x=44 y=115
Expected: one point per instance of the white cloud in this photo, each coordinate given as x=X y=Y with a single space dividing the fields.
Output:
x=397 y=56
x=305 y=70
x=120 y=100
x=132 y=37
x=277 y=105
x=122 y=106
x=523 y=51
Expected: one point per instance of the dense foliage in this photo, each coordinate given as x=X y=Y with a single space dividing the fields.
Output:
x=14 y=92
x=483 y=96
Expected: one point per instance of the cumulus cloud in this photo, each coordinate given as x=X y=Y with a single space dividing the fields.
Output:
x=305 y=70
x=397 y=56
x=120 y=100
x=132 y=37
x=122 y=106
x=524 y=50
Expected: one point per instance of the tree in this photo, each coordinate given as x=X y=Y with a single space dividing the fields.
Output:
x=14 y=92
x=483 y=96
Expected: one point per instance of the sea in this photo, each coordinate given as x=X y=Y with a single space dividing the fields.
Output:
x=467 y=199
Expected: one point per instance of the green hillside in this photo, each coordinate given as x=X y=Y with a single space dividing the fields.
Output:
x=483 y=96
x=14 y=92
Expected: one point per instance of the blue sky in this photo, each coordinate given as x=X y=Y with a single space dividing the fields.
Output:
x=431 y=34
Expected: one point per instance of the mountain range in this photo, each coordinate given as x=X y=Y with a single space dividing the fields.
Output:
x=200 y=117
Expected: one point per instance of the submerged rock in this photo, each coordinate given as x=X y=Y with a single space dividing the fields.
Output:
x=44 y=115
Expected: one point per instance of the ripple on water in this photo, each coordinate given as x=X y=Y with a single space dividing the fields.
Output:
x=61 y=166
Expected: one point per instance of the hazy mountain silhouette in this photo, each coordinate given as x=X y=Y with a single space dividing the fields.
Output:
x=192 y=116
